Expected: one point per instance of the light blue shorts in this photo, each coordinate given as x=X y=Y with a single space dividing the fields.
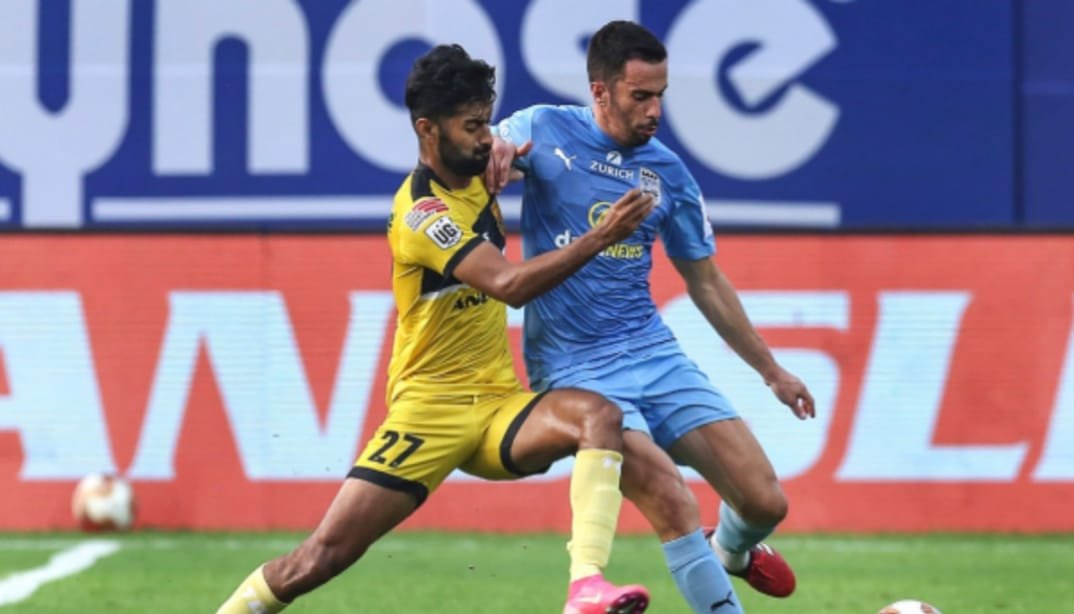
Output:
x=662 y=393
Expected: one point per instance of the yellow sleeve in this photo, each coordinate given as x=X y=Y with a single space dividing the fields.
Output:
x=432 y=236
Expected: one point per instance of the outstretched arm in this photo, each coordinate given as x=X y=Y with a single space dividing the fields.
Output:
x=516 y=284
x=716 y=298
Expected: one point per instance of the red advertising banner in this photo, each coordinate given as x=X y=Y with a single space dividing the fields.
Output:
x=232 y=379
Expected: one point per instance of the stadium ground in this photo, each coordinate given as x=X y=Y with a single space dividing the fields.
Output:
x=485 y=574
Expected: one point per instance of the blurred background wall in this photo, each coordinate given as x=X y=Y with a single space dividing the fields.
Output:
x=285 y=114
x=194 y=290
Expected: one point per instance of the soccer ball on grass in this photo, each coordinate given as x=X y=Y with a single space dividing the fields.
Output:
x=103 y=503
x=910 y=606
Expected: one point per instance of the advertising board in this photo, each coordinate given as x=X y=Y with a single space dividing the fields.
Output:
x=233 y=378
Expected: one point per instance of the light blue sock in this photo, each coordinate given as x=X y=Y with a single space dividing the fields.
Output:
x=734 y=535
x=700 y=577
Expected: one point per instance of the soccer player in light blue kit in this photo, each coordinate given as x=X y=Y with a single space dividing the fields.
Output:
x=600 y=330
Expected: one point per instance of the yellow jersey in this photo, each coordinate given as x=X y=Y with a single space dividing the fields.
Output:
x=450 y=339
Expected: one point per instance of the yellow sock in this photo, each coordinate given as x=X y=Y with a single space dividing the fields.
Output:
x=252 y=597
x=595 y=503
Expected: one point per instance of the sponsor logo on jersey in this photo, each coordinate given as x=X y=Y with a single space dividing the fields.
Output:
x=444 y=232
x=421 y=212
x=611 y=170
x=624 y=251
x=564 y=239
x=650 y=183
x=614 y=157
x=470 y=300
x=596 y=216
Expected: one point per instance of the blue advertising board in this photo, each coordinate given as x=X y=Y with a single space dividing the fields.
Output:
x=282 y=114
x=1048 y=114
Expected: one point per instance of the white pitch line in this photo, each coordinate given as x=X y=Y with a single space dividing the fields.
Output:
x=21 y=584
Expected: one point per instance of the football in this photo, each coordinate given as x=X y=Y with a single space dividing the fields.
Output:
x=103 y=503
x=910 y=606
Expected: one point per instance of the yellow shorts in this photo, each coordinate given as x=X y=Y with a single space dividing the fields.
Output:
x=425 y=438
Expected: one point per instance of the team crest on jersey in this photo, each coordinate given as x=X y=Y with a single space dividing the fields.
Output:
x=421 y=212
x=650 y=183
x=444 y=232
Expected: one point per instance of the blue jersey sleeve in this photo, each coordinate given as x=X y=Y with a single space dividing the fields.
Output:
x=687 y=234
x=517 y=129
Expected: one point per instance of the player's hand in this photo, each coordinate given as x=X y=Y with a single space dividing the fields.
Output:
x=793 y=393
x=624 y=216
x=499 y=171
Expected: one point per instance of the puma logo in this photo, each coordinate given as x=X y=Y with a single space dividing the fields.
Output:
x=562 y=156
x=729 y=600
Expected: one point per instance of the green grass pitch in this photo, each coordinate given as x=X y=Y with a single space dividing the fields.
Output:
x=473 y=574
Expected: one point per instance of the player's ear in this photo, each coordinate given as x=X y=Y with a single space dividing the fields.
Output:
x=426 y=128
x=600 y=92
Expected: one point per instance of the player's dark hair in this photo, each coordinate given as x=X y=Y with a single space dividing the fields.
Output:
x=618 y=42
x=446 y=79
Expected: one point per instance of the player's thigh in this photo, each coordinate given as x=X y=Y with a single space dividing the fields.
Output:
x=678 y=397
x=616 y=382
x=504 y=419
x=419 y=444
x=654 y=484
x=527 y=432
x=731 y=459
x=692 y=420
x=563 y=421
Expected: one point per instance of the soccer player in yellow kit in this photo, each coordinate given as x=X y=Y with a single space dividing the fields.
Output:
x=454 y=399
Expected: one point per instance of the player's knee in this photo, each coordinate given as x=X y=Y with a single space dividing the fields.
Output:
x=605 y=416
x=602 y=424
x=766 y=510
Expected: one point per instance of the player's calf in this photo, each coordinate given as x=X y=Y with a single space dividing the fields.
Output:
x=309 y=566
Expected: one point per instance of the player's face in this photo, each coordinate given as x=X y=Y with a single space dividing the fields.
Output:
x=466 y=141
x=633 y=102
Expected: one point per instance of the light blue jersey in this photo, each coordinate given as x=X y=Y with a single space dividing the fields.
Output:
x=600 y=330
x=573 y=174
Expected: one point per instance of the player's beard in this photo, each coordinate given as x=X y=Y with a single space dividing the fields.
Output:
x=460 y=162
x=641 y=133
x=638 y=134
